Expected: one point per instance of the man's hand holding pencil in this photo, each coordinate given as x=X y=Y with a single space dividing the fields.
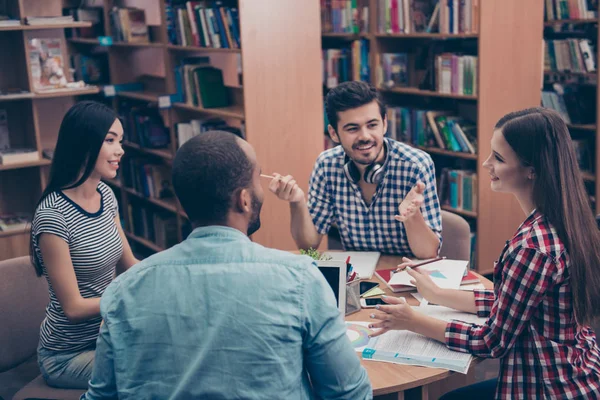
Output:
x=285 y=187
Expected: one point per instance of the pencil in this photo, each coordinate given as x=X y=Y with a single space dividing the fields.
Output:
x=424 y=263
x=267 y=176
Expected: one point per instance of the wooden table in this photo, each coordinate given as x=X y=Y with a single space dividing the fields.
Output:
x=396 y=381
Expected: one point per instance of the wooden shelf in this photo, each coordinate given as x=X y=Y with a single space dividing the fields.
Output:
x=432 y=36
x=344 y=36
x=14 y=97
x=143 y=241
x=52 y=94
x=227 y=112
x=143 y=96
x=571 y=21
x=448 y=153
x=127 y=44
x=588 y=176
x=38 y=163
x=589 y=127
x=464 y=213
x=197 y=49
x=427 y=93
x=25 y=231
x=48 y=26
x=90 y=41
x=167 y=205
x=163 y=153
x=67 y=93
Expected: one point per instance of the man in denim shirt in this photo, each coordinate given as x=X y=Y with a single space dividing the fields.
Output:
x=219 y=316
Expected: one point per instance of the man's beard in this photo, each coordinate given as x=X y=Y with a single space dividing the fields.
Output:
x=254 y=223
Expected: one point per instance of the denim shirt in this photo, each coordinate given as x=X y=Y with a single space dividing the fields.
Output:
x=218 y=316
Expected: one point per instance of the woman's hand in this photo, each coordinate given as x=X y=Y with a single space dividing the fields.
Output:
x=425 y=285
x=397 y=314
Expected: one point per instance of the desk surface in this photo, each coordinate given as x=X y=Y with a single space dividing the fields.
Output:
x=390 y=378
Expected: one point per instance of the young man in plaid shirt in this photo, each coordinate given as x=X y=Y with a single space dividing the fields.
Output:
x=380 y=193
x=546 y=281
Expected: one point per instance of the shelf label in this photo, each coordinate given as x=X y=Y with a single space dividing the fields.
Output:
x=109 y=91
x=105 y=40
x=164 y=101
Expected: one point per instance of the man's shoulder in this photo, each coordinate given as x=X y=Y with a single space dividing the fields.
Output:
x=406 y=153
x=331 y=156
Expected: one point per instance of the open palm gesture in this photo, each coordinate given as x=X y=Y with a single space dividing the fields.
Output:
x=411 y=203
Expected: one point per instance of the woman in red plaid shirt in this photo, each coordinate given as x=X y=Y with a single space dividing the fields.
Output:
x=546 y=280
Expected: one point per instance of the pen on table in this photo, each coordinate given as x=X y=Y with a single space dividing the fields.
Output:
x=423 y=263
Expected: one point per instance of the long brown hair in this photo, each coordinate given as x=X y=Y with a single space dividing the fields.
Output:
x=541 y=140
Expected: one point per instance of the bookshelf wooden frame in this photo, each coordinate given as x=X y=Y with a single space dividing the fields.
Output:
x=502 y=87
x=21 y=184
x=270 y=111
x=591 y=129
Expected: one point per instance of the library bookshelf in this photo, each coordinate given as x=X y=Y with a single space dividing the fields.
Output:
x=585 y=131
x=278 y=106
x=509 y=50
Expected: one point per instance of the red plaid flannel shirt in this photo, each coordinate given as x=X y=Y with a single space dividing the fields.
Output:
x=544 y=353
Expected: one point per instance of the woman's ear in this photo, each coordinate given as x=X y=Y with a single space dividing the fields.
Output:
x=531 y=174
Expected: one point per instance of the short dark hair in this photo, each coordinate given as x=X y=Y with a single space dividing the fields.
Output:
x=349 y=95
x=208 y=171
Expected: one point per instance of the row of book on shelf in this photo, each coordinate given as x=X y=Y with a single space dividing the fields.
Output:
x=575 y=103
x=571 y=9
x=569 y=55
x=430 y=128
x=344 y=16
x=128 y=24
x=453 y=73
x=457 y=189
x=417 y=16
x=187 y=130
x=203 y=24
x=200 y=84
x=346 y=64
x=156 y=226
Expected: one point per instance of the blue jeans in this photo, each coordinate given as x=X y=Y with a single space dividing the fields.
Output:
x=478 y=391
x=67 y=370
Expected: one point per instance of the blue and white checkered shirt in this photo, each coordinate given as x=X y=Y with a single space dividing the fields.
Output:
x=334 y=198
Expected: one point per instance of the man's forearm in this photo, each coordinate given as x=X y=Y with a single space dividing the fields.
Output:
x=424 y=243
x=303 y=230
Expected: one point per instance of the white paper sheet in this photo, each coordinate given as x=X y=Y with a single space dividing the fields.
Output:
x=363 y=262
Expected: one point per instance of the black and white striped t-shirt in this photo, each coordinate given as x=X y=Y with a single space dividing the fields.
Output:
x=95 y=247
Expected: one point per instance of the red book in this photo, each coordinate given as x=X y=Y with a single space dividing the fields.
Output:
x=469 y=278
x=386 y=274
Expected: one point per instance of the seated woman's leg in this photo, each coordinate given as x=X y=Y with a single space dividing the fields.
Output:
x=478 y=391
x=67 y=370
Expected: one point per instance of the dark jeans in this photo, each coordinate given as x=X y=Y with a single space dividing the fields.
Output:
x=478 y=391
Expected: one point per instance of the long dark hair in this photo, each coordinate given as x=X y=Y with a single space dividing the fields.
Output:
x=541 y=140
x=80 y=138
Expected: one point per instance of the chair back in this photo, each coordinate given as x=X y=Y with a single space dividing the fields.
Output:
x=23 y=300
x=456 y=237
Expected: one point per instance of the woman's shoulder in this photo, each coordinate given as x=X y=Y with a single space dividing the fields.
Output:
x=51 y=202
x=538 y=233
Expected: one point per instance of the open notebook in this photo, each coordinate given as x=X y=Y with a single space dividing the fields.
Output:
x=405 y=347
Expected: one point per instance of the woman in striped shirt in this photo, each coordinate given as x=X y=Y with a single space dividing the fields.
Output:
x=77 y=241
x=546 y=280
